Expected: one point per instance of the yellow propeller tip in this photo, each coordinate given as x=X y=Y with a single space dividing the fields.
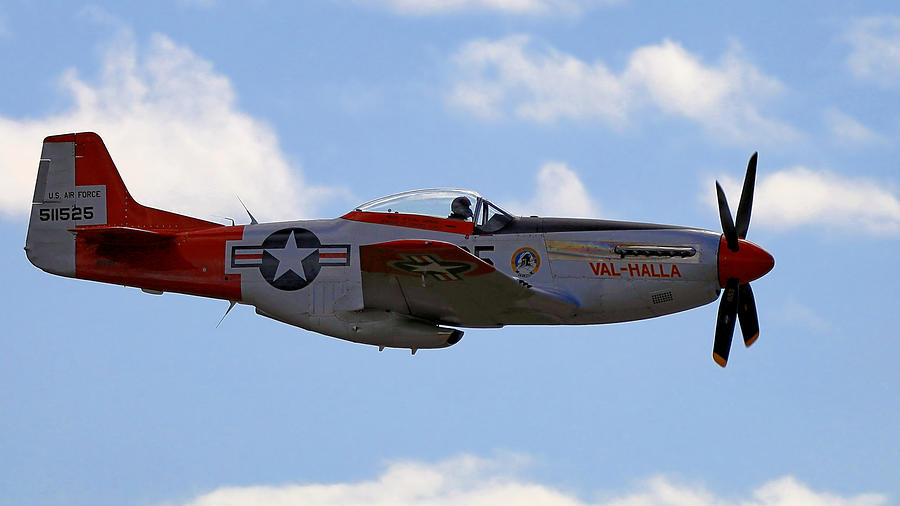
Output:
x=719 y=360
x=752 y=340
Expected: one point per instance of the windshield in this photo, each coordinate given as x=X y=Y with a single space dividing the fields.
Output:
x=440 y=203
x=491 y=218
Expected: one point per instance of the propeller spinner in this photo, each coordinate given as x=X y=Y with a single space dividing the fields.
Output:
x=740 y=262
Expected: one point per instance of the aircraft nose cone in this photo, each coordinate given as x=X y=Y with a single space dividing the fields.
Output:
x=749 y=262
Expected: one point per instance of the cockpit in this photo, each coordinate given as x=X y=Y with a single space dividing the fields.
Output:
x=462 y=206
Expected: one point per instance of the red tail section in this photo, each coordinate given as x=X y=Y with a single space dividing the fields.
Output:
x=85 y=224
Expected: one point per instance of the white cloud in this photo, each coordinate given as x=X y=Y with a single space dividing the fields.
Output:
x=875 y=49
x=559 y=192
x=800 y=196
x=475 y=482
x=519 y=7
x=543 y=87
x=173 y=127
x=510 y=77
x=849 y=131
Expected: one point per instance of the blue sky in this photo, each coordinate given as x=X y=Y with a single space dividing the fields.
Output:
x=112 y=396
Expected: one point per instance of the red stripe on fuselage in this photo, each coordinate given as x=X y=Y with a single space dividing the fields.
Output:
x=413 y=221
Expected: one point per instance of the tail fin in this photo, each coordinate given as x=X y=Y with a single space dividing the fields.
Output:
x=79 y=189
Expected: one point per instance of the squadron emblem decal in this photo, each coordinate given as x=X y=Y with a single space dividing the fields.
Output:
x=525 y=262
x=289 y=259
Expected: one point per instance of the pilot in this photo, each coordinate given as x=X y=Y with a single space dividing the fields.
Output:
x=460 y=209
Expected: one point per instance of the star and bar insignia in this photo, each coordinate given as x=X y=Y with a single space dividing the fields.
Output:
x=289 y=259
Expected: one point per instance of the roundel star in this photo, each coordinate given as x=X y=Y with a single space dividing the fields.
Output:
x=290 y=258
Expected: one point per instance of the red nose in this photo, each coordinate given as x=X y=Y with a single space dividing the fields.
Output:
x=749 y=262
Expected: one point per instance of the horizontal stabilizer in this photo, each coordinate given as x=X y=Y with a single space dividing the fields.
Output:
x=124 y=236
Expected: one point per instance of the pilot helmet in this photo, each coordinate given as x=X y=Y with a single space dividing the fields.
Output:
x=462 y=207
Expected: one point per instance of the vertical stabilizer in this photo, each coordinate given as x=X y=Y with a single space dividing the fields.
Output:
x=79 y=189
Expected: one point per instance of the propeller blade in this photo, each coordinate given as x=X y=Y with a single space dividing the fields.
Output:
x=742 y=219
x=728 y=230
x=728 y=307
x=747 y=314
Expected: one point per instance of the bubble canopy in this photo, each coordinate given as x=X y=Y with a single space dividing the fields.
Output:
x=436 y=202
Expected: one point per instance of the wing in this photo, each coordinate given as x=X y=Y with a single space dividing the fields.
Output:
x=442 y=282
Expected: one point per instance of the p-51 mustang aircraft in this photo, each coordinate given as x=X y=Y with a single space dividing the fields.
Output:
x=400 y=271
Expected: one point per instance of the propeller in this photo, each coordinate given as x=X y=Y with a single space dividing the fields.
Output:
x=740 y=261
